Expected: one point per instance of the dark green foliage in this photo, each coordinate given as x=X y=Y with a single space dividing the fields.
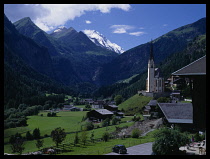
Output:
x=168 y=141
x=105 y=136
x=118 y=99
x=29 y=136
x=17 y=143
x=106 y=122
x=39 y=143
x=58 y=135
x=53 y=114
x=115 y=121
x=84 y=137
x=89 y=126
x=197 y=137
x=136 y=118
x=136 y=133
x=76 y=139
x=36 y=133
x=92 y=137
x=163 y=100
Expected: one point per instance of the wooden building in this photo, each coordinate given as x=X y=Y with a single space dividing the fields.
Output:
x=196 y=74
x=99 y=114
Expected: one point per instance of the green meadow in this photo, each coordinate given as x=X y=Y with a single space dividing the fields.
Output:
x=69 y=120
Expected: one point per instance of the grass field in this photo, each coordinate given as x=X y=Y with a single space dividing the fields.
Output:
x=96 y=148
x=70 y=121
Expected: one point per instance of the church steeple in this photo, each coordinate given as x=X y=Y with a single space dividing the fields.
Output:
x=151 y=51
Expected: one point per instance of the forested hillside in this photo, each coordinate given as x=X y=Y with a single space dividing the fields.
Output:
x=134 y=61
x=195 y=49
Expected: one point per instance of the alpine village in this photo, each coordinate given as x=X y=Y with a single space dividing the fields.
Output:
x=65 y=95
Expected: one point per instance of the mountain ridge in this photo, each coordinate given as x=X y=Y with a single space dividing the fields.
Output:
x=102 y=41
x=134 y=61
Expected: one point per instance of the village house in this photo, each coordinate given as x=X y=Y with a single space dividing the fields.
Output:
x=149 y=110
x=195 y=72
x=86 y=101
x=114 y=109
x=99 y=104
x=99 y=114
x=71 y=108
x=177 y=114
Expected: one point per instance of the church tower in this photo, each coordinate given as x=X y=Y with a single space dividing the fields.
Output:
x=151 y=71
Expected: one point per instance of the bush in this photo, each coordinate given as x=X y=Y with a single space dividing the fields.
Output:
x=89 y=126
x=163 y=100
x=29 y=136
x=106 y=122
x=105 y=136
x=136 y=133
x=36 y=133
x=168 y=141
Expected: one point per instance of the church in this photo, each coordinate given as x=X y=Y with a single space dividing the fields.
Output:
x=155 y=81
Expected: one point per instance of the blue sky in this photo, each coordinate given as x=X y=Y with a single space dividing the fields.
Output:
x=127 y=25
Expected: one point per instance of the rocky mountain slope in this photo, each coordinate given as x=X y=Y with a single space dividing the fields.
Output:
x=102 y=41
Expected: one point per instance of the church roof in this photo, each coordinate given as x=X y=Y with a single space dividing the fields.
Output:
x=158 y=73
x=151 y=51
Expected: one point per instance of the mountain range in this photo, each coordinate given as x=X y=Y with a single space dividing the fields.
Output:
x=72 y=61
x=75 y=57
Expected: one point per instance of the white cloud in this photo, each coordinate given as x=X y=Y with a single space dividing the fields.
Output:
x=138 y=33
x=164 y=25
x=50 y=16
x=88 y=22
x=120 y=29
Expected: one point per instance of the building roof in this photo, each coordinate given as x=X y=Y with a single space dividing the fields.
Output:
x=104 y=111
x=68 y=106
x=158 y=73
x=177 y=112
x=120 y=113
x=197 y=67
x=113 y=106
x=147 y=107
x=152 y=103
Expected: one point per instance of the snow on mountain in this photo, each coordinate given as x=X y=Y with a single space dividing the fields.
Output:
x=102 y=41
x=60 y=29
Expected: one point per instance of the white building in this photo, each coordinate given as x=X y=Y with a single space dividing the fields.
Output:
x=154 y=81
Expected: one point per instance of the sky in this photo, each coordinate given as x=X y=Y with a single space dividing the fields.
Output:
x=127 y=25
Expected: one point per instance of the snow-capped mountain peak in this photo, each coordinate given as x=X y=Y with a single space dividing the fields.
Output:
x=102 y=41
x=60 y=29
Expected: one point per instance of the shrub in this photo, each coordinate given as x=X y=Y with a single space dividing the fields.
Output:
x=36 y=133
x=29 y=136
x=105 y=136
x=58 y=135
x=168 y=141
x=89 y=126
x=136 y=133
x=106 y=122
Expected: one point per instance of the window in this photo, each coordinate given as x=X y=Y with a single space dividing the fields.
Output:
x=160 y=83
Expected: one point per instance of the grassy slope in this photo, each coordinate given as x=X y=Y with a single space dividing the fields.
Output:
x=134 y=102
